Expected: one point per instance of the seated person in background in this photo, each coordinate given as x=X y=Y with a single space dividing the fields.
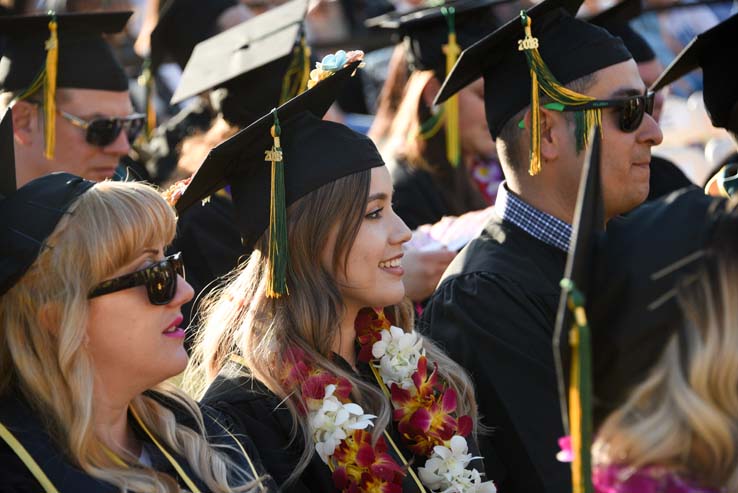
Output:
x=434 y=152
x=90 y=329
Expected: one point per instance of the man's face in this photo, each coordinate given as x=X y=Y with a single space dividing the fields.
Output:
x=73 y=153
x=626 y=156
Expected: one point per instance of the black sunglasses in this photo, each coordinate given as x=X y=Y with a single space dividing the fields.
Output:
x=632 y=109
x=160 y=280
x=102 y=132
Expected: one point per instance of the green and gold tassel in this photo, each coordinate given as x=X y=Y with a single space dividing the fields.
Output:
x=580 y=391
x=542 y=79
x=297 y=75
x=451 y=106
x=52 y=61
x=278 y=253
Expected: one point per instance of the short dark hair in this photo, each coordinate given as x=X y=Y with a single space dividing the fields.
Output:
x=514 y=150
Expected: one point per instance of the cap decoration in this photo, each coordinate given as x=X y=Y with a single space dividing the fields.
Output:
x=175 y=191
x=542 y=79
x=331 y=64
x=295 y=79
x=575 y=447
x=451 y=106
x=278 y=252
x=47 y=78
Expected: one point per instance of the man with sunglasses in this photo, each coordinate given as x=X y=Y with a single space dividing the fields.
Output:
x=494 y=310
x=71 y=108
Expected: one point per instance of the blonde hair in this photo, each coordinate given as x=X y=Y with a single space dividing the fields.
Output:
x=684 y=416
x=42 y=338
x=240 y=319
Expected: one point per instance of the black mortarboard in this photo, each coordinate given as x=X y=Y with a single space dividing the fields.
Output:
x=313 y=153
x=634 y=311
x=181 y=25
x=7 y=155
x=41 y=53
x=85 y=60
x=28 y=216
x=425 y=30
x=571 y=49
x=719 y=78
x=616 y=20
x=571 y=326
x=259 y=64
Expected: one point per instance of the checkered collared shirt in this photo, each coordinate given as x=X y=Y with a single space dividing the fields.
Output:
x=538 y=224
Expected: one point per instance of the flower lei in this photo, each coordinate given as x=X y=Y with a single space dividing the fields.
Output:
x=424 y=411
x=330 y=64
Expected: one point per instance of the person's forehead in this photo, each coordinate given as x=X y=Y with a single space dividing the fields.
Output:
x=87 y=103
x=616 y=79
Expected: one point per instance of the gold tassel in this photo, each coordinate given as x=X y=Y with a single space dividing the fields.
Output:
x=575 y=414
x=52 y=60
x=451 y=106
x=295 y=79
x=543 y=79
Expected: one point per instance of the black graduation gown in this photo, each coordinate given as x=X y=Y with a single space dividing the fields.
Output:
x=665 y=178
x=210 y=244
x=249 y=404
x=19 y=418
x=494 y=313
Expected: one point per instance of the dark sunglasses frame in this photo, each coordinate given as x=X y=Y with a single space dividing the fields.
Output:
x=632 y=109
x=102 y=132
x=160 y=289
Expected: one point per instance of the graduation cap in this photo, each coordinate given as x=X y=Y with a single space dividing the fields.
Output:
x=46 y=52
x=572 y=337
x=182 y=25
x=434 y=37
x=634 y=310
x=545 y=40
x=30 y=214
x=720 y=79
x=259 y=64
x=305 y=153
x=616 y=20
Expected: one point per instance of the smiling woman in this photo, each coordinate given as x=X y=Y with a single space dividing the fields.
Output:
x=315 y=365
x=89 y=332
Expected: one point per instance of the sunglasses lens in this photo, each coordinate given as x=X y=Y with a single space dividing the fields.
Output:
x=162 y=282
x=631 y=114
x=103 y=132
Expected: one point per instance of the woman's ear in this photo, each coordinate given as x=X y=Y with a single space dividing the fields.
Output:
x=430 y=90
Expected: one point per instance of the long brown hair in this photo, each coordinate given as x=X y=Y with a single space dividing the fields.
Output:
x=240 y=318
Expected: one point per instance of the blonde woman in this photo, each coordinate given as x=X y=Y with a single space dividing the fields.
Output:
x=674 y=428
x=90 y=329
x=319 y=379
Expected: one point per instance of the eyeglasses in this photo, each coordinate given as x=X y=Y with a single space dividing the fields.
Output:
x=160 y=280
x=632 y=109
x=102 y=132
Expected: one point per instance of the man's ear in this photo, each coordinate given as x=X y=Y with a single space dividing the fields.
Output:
x=25 y=120
x=550 y=134
x=430 y=91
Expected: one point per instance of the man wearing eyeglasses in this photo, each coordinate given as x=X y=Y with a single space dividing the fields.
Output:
x=494 y=310
x=71 y=108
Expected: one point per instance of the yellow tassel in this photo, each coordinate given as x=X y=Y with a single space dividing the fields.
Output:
x=52 y=60
x=575 y=415
x=305 y=66
x=535 y=127
x=451 y=106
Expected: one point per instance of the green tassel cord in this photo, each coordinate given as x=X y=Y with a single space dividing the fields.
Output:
x=451 y=106
x=543 y=79
x=295 y=79
x=580 y=391
x=278 y=252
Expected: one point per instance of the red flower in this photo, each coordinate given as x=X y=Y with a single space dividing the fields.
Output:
x=364 y=465
x=369 y=324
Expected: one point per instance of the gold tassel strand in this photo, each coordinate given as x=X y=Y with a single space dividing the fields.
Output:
x=52 y=61
x=451 y=106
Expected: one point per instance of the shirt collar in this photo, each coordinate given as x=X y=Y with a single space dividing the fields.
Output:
x=540 y=225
